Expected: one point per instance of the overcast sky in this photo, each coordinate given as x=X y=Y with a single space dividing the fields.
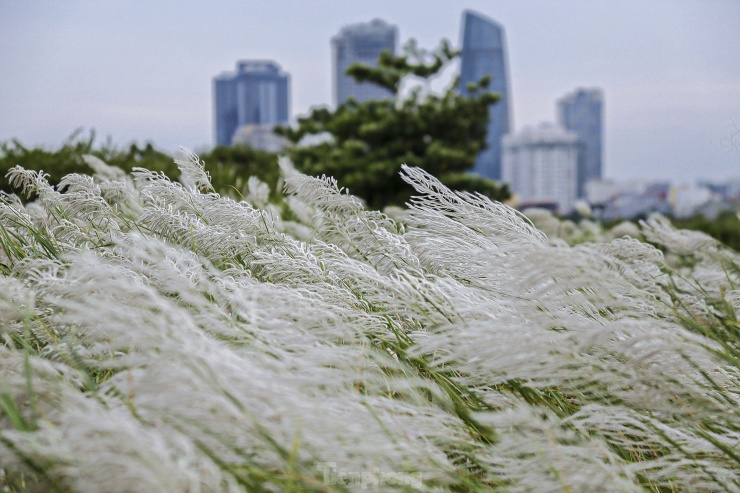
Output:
x=142 y=70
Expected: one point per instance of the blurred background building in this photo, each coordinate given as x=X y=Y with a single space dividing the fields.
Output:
x=582 y=112
x=256 y=94
x=611 y=199
x=361 y=43
x=541 y=164
x=484 y=54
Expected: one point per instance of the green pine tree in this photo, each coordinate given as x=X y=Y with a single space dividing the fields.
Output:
x=369 y=141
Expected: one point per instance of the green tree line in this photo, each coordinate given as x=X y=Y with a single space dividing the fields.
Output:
x=229 y=167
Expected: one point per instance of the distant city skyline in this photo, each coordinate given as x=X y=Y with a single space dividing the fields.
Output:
x=140 y=72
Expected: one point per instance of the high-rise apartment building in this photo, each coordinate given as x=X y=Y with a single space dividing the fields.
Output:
x=582 y=112
x=541 y=165
x=361 y=43
x=256 y=94
x=484 y=54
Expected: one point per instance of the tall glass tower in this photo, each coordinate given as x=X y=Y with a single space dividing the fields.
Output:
x=484 y=54
x=361 y=43
x=257 y=94
x=582 y=112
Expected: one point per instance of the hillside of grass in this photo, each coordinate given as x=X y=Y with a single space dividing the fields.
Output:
x=157 y=336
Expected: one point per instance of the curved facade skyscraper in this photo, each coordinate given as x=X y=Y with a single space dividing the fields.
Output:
x=484 y=53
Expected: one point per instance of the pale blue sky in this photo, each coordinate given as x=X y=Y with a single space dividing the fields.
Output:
x=142 y=70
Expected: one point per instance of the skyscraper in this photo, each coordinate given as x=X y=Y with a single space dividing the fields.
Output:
x=360 y=43
x=484 y=54
x=257 y=94
x=541 y=164
x=582 y=113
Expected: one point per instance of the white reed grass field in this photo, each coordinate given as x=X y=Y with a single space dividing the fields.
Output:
x=157 y=337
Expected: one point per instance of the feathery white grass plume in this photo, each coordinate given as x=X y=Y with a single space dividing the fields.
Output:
x=340 y=219
x=625 y=228
x=474 y=211
x=194 y=174
x=103 y=171
x=658 y=229
x=541 y=453
x=155 y=336
x=258 y=192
